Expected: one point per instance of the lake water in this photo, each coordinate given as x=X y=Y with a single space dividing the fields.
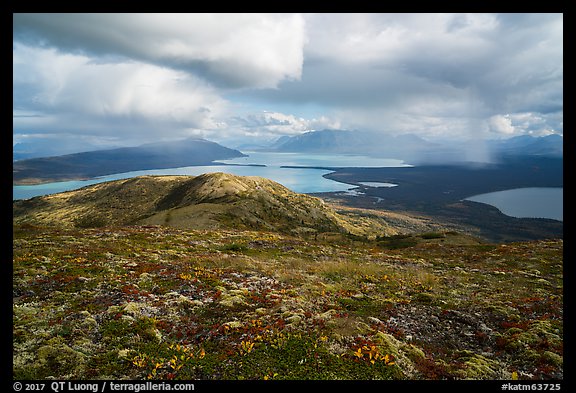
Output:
x=534 y=202
x=276 y=160
x=301 y=180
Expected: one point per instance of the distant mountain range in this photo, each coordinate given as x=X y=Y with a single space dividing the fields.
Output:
x=353 y=142
x=47 y=148
x=90 y=164
x=551 y=145
x=409 y=147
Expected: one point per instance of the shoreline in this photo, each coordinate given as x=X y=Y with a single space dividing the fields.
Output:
x=33 y=181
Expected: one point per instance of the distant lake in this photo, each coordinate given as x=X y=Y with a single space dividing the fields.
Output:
x=534 y=202
x=273 y=159
x=301 y=180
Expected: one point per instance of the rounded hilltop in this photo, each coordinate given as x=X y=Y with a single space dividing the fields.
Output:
x=208 y=201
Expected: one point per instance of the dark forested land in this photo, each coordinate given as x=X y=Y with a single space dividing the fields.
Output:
x=438 y=191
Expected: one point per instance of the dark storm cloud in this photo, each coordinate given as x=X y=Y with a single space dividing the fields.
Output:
x=430 y=66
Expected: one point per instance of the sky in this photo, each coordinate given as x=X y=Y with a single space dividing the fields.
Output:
x=90 y=81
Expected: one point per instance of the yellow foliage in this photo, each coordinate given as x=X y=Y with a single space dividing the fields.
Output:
x=246 y=347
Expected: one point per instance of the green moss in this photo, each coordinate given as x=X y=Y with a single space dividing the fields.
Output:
x=545 y=329
x=125 y=331
x=234 y=247
x=109 y=365
x=552 y=358
x=505 y=313
x=513 y=331
x=232 y=300
x=362 y=305
x=387 y=343
x=413 y=352
x=397 y=242
x=424 y=297
x=304 y=358
x=540 y=333
x=528 y=356
x=478 y=367
x=55 y=358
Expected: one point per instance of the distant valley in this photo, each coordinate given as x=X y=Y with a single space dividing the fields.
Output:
x=435 y=191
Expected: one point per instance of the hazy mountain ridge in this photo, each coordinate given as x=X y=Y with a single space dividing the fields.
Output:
x=354 y=142
x=550 y=145
x=412 y=147
x=209 y=201
x=105 y=162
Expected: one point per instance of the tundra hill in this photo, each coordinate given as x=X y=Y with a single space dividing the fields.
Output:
x=209 y=201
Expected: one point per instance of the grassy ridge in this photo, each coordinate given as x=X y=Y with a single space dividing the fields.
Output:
x=164 y=303
x=208 y=201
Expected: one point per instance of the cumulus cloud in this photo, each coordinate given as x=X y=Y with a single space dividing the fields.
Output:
x=529 y=123
x=502 y=124
x=71 y=92
x=275 y=123
x=229 y=50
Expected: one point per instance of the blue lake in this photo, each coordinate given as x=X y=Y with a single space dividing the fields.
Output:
x=533 y=202
x=273 y=159
x=301 y=180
